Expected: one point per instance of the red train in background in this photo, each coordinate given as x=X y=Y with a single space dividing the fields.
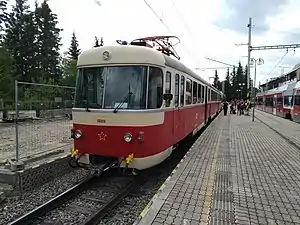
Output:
x=134 y=102
x=283 y=101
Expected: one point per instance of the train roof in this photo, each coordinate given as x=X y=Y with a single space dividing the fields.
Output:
x=297 y=86
x=277 y=90
x=131 y=54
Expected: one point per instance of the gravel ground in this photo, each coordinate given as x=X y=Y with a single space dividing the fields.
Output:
x=34 y=137
x=78 y=209
x=15 y=207
x=131 y=206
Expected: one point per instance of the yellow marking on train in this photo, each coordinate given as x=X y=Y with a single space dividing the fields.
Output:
x=211 y=181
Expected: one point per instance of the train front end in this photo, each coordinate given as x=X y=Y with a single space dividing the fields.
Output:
x=116 y=114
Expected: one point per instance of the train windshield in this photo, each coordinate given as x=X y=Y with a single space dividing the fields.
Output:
x=109 y=87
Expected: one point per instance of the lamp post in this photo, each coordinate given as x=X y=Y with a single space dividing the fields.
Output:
x=241 y=85
x=255 y=62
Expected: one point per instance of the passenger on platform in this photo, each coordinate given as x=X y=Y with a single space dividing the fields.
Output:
x=231 y=107
x=225 y=107
x=238 y=106
x=242 y=107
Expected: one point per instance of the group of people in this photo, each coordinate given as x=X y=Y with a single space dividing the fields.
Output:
x=236 y=107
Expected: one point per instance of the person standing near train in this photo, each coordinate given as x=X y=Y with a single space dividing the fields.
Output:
x=225 y=107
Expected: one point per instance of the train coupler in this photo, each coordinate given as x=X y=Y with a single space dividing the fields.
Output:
x=134 y=172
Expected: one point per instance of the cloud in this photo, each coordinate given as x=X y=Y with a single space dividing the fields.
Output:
x=240 y=11
x=292 y=36
x=205 y=28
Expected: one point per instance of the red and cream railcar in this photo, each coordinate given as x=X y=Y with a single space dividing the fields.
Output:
x=274 y=101
x=260 y=99
x=296 y=100
x=278 y=101
x=134 y=103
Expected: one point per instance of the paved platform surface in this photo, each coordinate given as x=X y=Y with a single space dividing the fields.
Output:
x=289 y=129
x=237 y=172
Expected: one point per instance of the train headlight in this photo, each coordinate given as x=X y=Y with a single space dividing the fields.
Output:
x=128 y=137
x=78 y=134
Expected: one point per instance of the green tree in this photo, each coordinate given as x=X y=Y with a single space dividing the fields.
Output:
x=216 y=79
x=227 y=85
x=15 y=36
x=69 y=70
x=245 y=81
x=74 y=50
x=234 y=83
x=3 y=18
x=217 y=83
x=48 y=40
x=97 y=44
x=6 y=75
x=31 y=70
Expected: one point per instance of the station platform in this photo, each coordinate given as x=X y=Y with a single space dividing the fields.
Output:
x=287 y=128
x=237 y=172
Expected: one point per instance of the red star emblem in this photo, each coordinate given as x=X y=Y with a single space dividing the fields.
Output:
x=102 y=136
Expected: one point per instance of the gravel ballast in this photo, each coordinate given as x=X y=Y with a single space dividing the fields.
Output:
x=14 y=207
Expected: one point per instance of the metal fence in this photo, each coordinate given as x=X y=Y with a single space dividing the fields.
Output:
x=42 y=120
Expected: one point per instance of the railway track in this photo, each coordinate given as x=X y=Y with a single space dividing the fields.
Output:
x=85 y=203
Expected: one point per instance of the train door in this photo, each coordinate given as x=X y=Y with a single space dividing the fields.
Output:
x=178 y=104
x=169 y=86
x=274 y=104
x=206 y=105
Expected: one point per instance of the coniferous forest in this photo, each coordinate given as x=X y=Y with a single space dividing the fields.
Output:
x=235 y=83
x=30 y=45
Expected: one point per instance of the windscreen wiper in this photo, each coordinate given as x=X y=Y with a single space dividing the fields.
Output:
x=124 y=100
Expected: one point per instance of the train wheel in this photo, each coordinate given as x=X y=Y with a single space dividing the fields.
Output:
x=73 y=163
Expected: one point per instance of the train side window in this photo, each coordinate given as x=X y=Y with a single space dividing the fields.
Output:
x=195 y=96
x=199 y=93
x=203 y=93
x=182 y=90
x=297 y=100
x=279 y=101
x=188 y=92
x=215 y=98
x=208 y=95
x=168 y=87
x=176 y=90
x=155 y=88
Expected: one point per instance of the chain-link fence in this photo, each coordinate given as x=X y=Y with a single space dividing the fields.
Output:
x=41 y=113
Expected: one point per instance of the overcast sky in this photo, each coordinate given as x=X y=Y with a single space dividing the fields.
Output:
x=208 y=28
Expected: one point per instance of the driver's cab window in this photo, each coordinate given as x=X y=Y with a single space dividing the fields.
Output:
x=155 y=88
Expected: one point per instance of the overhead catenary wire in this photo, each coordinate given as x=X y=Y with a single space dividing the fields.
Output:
x=277 y=64
x=182 y=19
x=169 y=30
